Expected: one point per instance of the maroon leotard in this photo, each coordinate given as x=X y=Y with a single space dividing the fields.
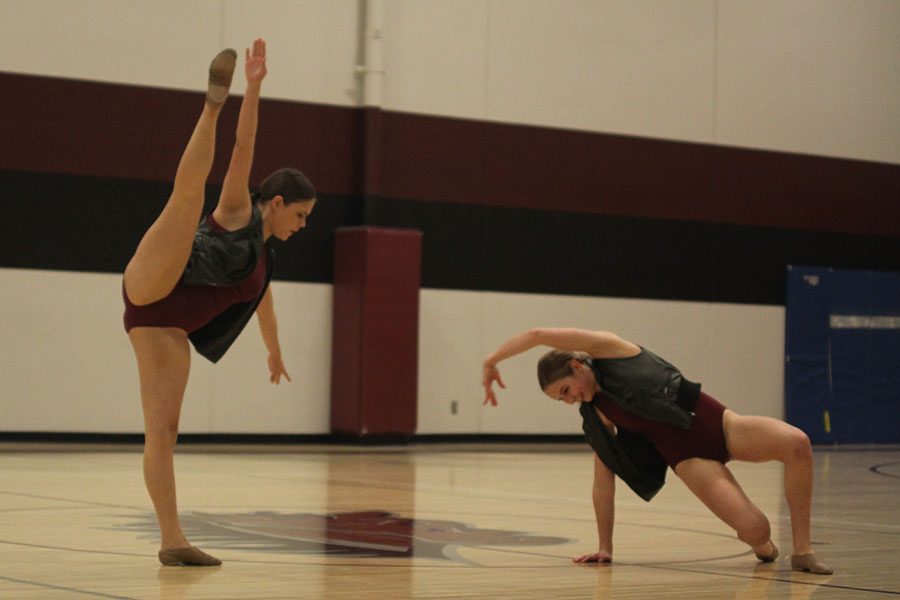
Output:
x=190 y=307
x=704 y=439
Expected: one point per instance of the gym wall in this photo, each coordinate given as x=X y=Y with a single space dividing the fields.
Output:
x=645 y=167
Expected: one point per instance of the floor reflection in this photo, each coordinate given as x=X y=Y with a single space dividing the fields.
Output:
x=368 y=534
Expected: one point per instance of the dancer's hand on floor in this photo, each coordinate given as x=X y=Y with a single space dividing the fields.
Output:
x=597 y=557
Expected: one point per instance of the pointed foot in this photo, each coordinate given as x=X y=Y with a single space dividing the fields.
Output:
x=221 y=70
x=187 y=557
x=811 y=563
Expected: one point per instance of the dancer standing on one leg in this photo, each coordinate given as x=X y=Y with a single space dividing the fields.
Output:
x=641 y=415
x=202 y=284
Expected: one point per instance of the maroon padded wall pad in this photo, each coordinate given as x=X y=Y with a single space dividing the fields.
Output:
x=377 y=275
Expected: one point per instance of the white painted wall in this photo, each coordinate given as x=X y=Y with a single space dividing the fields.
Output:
x=736 y=351
x=643 y=68
x=808 y=76
x=67 y=364
x=168 y=43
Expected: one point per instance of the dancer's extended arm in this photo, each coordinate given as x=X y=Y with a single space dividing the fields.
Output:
x=599 y=344
x=233 y=210
x=268 y=327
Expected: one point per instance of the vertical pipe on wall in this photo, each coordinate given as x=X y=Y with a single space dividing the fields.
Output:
x=371 y=69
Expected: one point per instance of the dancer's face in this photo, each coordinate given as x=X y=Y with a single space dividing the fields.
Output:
x=288 y=219
x=580 y=386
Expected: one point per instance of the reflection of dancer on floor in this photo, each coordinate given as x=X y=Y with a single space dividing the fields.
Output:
x=641 y=415
x=204 y=283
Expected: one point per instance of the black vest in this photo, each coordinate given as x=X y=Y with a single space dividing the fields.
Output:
x=226 y=258
x=651 y=388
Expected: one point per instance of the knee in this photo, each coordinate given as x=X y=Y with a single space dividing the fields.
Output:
x=799 y=448
x=161 y=436
x=755 y=531
x=138 y=294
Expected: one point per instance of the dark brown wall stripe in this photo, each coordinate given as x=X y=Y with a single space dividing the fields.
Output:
x=521 y=250
x=77 y=223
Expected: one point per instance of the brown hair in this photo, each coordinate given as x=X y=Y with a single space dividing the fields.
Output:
x=290 y=184
x=557 y=364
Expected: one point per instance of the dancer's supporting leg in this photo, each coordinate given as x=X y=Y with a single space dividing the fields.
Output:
x=760 y=439
x=713 y=483
x=164 y=360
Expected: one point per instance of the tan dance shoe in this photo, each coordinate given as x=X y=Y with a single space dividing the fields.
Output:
x=810 y=562
x=221 y=70
x=187 y=557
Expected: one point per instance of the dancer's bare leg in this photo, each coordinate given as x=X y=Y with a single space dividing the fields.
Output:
x=713 y=483
x=760 y=439
x=164 y=361
x=160 y=258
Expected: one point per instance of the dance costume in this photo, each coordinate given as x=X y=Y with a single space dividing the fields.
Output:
x=704 y=439
x=661 y=419
x=224 y=281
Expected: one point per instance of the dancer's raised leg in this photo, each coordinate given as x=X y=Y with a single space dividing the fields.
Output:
x=162 y=254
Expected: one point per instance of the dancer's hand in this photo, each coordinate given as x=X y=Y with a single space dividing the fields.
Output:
x=255 y=66
x=602 y=557
x=276 y=369
x=489 y=375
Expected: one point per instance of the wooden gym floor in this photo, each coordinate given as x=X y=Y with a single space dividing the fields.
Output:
x=422 y=521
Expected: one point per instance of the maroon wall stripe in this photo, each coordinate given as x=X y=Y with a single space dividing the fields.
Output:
x=75 y=127
x=104 y=130
x=531 y=167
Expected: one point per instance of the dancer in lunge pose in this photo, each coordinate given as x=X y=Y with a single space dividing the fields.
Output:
x=641 y=415
x=202 y=284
